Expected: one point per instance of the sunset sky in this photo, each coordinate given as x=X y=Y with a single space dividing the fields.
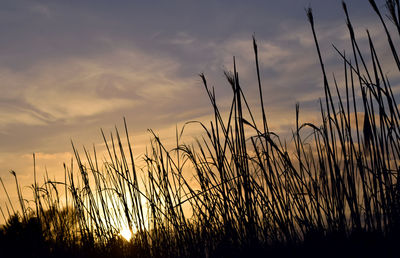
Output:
x=69 y=68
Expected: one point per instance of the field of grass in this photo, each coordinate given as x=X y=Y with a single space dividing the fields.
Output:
x=331 y=190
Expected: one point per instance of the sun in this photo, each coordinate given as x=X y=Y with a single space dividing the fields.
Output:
x=126 y=233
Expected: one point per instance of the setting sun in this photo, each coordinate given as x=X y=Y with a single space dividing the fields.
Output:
x=126 y=233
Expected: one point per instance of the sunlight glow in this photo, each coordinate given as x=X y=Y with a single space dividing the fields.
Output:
x=126 y=233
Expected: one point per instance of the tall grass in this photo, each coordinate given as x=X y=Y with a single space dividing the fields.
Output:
x=254 y=192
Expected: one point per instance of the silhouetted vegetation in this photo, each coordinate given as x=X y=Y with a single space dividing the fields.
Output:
x=331 y=190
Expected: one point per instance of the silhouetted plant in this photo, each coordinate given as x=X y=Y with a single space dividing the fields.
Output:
x=335 y=191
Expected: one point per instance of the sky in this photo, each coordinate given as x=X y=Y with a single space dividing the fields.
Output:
x=69 y=68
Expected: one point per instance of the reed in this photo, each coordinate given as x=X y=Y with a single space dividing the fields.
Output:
x=332 y=184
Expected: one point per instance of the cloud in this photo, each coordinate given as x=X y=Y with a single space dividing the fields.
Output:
x=20 y=117
x=84 y=87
